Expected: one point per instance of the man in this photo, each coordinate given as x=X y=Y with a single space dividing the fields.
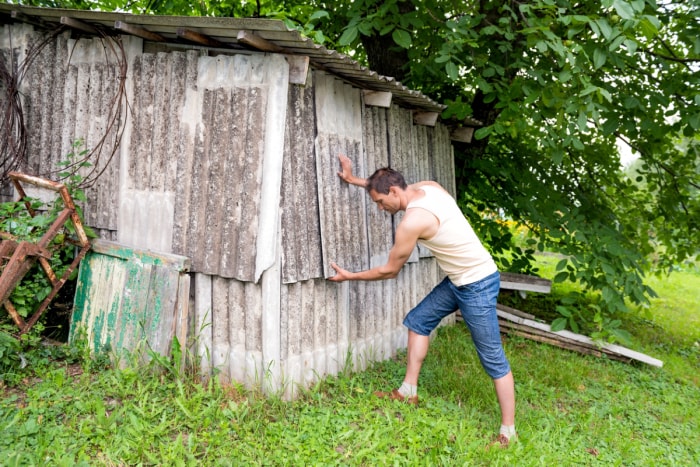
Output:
x=433 y=219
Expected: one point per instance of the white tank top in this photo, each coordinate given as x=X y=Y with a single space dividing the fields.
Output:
x=456 y=247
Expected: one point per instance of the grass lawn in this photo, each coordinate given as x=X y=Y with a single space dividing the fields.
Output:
x=572 y=409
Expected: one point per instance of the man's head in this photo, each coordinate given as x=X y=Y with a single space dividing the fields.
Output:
x=383 y=179
x=386 y=186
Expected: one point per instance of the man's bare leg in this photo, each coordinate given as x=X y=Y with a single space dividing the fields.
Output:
x=417 y=350
x=505 y=392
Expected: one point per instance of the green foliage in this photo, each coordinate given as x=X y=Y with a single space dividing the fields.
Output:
x=28 y=220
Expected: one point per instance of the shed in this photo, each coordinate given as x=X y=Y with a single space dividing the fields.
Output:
x=217 y=139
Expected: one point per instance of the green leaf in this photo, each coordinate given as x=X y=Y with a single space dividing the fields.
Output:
x=648 y=28
x=599 y=58
x=561 y=277
x=631 y=46
x=558 y=324
x=623 y=9
x=349 y=36
x=604 y=28
x=574 y=325
x=318 y=15
x=482 y=133
x=452 y=70
x=561 y=264
x=402 y=38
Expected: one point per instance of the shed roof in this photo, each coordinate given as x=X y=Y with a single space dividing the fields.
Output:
x=223 y=33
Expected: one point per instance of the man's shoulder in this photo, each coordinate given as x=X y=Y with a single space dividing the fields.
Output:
x=418 y=218
x=426 y=183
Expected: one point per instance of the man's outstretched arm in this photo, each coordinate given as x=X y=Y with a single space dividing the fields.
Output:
x=345 y=173
x=407 y=234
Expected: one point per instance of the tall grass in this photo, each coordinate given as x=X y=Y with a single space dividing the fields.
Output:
x=572 y=409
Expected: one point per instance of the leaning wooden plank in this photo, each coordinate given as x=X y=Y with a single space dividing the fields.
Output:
x=549 y=337
x=617 y=349
x=563 y=345
x=514 y=311
x=512 y=281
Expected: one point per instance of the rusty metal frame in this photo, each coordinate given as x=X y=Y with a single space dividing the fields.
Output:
x=17 y=258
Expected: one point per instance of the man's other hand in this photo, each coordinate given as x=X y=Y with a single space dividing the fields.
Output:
x=345 y=173
x=340 y=274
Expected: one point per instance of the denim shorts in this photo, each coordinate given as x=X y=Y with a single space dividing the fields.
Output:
x=477 y=302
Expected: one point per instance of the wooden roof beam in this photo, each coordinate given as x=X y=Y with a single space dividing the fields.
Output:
x=138 y=31
x=199 y=38
x=462 y=134
x=259 y=43
x=19 y=16
x=298 y=68
x=377 y=98
x=79 y=25
x=424 y=118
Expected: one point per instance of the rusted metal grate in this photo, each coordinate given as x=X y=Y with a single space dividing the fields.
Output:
x=18 y=257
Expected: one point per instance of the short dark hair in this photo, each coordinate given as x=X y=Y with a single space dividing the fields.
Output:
x=383 y=179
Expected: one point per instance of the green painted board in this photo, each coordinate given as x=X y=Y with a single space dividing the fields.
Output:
x=131 y=299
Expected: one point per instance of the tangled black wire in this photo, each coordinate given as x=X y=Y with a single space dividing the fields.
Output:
x=13 y=146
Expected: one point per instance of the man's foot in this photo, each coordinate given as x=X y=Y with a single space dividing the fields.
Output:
x=395 y=395
x=501 y=441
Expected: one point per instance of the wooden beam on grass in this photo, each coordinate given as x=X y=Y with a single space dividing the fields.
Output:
x=512 y=281
x=577 y=340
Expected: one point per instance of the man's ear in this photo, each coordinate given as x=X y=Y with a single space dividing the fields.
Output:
x=393 y=190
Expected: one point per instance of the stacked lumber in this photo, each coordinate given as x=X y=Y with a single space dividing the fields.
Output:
x=541 y=332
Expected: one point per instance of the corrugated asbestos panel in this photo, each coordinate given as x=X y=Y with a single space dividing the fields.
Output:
x=301 y=233
x=70 y=93
x=327 y=326
x=403 y=155
x=228 y=328
x=445 y=163
x=376 y=155
x=341 y=207
x=197 y=156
